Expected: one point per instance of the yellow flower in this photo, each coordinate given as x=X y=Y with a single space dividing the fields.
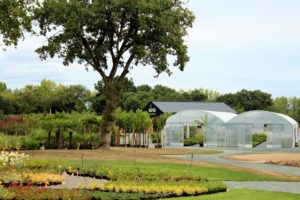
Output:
x=178 y=191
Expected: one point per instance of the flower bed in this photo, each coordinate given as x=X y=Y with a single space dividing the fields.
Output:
x=12 y=159
x=9 y=178
x=19 y=192
x=136 y=174
x=161 y=189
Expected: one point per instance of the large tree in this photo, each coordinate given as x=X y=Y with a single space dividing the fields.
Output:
x=113 y=35
x=14 y=20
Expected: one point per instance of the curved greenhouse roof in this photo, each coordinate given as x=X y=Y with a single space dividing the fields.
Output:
x=262 y=117
x=192 y=116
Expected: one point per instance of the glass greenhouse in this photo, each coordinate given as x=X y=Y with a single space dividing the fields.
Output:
x=231 y=130
x=189 y=123
x=280 y=130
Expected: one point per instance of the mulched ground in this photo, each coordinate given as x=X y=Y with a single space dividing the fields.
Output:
x=266 y=157
x=292 y=163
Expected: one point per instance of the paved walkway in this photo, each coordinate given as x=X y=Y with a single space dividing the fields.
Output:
x=75 y=182
x=291 y=187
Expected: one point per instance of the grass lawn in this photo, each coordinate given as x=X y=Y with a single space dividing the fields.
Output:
x=147 y=161
x=246 y=194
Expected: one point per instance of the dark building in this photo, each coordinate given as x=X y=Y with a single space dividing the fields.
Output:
x=156 y=108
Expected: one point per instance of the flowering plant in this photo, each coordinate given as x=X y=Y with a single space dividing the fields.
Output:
x=12 y=158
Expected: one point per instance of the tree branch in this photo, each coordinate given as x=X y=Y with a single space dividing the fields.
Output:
x=126 y=68
x=96 y=63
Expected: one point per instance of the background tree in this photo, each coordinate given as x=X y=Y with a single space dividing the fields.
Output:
x=111 y=36
x=246 y=100
x=195 y=95
x=70 y=98
x=14 y=20
x=3 y=87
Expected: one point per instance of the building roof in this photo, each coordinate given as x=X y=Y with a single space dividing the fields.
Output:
x=174 y=107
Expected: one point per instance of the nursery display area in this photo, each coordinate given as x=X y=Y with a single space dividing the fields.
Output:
x=247 y=129
x=25 y=178
x=127 y=175
x=73 y=130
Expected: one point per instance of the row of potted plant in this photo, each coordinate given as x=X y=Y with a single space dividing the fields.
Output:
x=137 y=174
x=10 y=178
x=165 y=189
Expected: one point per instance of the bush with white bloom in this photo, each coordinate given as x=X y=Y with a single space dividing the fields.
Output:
x=12 y=158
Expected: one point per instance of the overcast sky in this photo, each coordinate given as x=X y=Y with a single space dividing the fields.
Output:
x=233 y=45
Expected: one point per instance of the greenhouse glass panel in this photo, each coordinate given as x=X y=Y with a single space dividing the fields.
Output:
x=274 y=132
x=189 y=123
x=239 y=135
x=173 y=135
x=280 y=129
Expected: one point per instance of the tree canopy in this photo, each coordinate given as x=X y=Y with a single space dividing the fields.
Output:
x=246 y=100
x=112 y=35
x=14 y=20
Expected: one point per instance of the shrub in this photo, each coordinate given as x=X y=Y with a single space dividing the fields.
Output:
x=153 y=137
x=30 y=143
x=198 y=139
x=39 y=135
x=258 y=139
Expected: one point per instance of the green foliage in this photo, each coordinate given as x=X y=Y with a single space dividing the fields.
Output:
x=246 y=100
x=126 y=33
x=123 y=196
x=147 y=171
x=45 y=98
x=6 y=194
x=30 y=144
x=288 y=106
x=14 y=20
x=45 y=193
x=153 y=137
x=8 y=142
x=160 y=121
x=258 y=139
x=198 y=139
x=138 y=121
x=164 y=189
x=11 y=142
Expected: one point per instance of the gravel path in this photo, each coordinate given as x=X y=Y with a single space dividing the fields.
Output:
x=75 y=182
x=291 y=187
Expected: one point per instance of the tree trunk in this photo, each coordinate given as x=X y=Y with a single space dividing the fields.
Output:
x=61 y=140
x=70 y=140
x=48 y=140
x=112 y=94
